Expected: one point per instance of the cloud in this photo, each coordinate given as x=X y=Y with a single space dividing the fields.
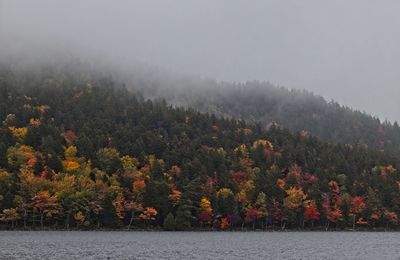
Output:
x=344 y=50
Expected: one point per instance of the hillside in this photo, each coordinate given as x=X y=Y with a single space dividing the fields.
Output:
x=80 y=151
x=265 y=103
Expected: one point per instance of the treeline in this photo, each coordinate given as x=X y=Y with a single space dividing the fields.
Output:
x=80 y=151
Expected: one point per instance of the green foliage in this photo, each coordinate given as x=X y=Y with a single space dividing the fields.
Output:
x=267 y=104
x=169 y=223
x=184 y=216
x=226 y=202
x=137 y=163
x=108 y=160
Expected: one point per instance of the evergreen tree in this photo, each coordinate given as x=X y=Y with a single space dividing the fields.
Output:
x=169 y=222
x=184 y=216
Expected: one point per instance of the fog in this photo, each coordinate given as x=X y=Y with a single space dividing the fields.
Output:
x=346 y=50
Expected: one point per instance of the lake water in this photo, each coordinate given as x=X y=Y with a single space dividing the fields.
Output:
x=198 y=245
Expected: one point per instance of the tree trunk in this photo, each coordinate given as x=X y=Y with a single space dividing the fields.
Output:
x=25 y=216
x=33 y=219
x=68 y=219
x=354 y=222
x=131 y=221
x=41 y=220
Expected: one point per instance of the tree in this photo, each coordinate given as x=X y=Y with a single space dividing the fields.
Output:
x=333 y=213
x=374 y=207
x=251 y=216
x=205 y=213
x=276 y=211
x=70 y=163
x=261 y=206
x=358 y=206
x=70 y=136
x=169 y=222
x=134 y=208
x=311 y=212
x=390 y=217
x=19 y=155
x=108 y=214
x=22 y=208
x=18 y=132
x=156 y=195
x=10 y=215
x=139 y=187
x=80 y=218
x=108 y=159
x=148 y=215
x=174 y=197
x=119 y=205
x=246 y=193
x=7 y=189
x=46 y=205
x=226 y=203
x=293 y=201
x=184 y=216
x=225 y=224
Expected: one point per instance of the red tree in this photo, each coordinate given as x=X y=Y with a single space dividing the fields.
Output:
x=312 y=214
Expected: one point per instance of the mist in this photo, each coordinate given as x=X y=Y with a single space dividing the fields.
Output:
x=348 y=51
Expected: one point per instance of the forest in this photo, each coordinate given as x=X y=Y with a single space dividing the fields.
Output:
x=85 y=151
x=266 y=103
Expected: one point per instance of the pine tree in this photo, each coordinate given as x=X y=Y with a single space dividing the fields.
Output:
x=169 y=222
x=183 y=214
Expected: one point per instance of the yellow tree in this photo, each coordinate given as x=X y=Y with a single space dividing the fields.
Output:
x=261 y=206
x=79 y=218
x=70 y=163
x=263 y=143
x=19 y=155
x=9 y=215
x=18 y=132
x=294 y=200
x=246 y=193
x=205 y=213
x=45 y=204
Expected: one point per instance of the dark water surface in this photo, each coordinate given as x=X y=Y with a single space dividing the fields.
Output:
x=198 y=245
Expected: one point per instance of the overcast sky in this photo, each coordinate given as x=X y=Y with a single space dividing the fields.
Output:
x=346 y=50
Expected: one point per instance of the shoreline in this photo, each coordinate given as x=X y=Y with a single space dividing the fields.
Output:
x=377 y=230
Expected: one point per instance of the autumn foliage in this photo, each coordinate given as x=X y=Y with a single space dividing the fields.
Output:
x=99 y=156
